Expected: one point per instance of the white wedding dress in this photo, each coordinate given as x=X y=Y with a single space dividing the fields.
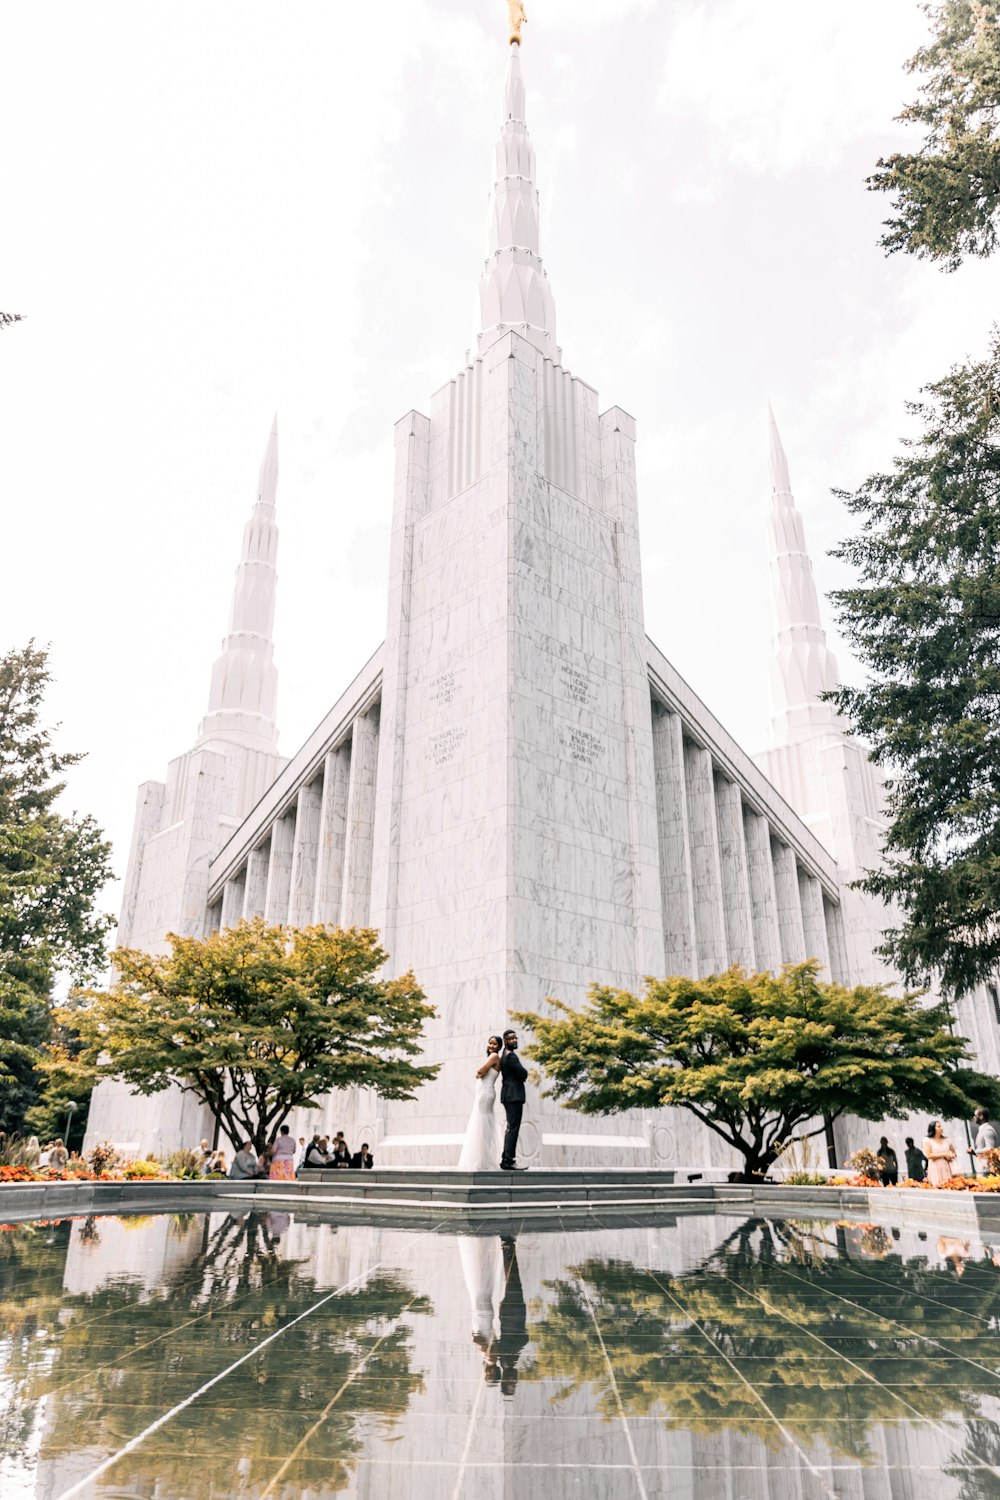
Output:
x=481 y=1147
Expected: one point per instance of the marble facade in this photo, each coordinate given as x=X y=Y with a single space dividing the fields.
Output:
x=517 y=789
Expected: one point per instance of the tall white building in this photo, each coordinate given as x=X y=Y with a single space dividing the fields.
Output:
x=518 y=789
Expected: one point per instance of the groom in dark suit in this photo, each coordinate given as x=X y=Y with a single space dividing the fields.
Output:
x=514 y=1074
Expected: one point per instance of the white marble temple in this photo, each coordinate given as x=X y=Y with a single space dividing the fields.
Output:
x=517 y=789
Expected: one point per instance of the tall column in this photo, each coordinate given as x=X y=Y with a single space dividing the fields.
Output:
x=302 y=893
x=255 y=892
x=763 y=896
x=332 y=833
x=813 y=920
x=680 y=955
x=279 y=869
x=706 y=870
x=834 y=917
x=232 y=900
x=786 y=884
x=355 y=907
x=735 y=874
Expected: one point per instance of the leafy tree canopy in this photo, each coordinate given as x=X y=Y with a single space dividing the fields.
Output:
x=52 y=870
x=924 y=619
x=756 y=1056
x=947 y=194
x=257 y=1021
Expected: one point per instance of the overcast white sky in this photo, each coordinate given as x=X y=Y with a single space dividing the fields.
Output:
x=214 y=209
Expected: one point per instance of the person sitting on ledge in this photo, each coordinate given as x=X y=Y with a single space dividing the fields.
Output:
x=341 y=1155
x=58 y=1156
x=316 y=1154
x=362 y=1158
x=244 y=1163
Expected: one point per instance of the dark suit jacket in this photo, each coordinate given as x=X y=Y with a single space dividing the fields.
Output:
x=359 y=1162
x=513 y=1073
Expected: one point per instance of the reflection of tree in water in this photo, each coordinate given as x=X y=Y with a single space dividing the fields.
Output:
x=982 y=1446
x=758 y=1298
x=32 y=1261
x=109 y=1379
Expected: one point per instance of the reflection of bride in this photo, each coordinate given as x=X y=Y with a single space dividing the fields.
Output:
x=481 y=1147
x=483 y=1272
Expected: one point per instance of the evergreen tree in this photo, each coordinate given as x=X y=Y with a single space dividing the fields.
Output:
x=924 y=619
x=756 y=1057
x=947 y=194
x=52 y=870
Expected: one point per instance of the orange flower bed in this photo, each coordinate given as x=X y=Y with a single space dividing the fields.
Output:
x=78 y=1174
x=956 y=1184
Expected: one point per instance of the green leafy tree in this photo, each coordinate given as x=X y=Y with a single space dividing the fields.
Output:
x=63 y=1081
x=755 y=1057
x=947 y=194
x=924 y=619
x=52 y=870
x=25 y=1028
x=256 y=1021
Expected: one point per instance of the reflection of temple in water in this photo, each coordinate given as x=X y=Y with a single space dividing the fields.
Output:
x=703 y=1356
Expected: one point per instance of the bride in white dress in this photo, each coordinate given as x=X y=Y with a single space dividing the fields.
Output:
x=481 y=1147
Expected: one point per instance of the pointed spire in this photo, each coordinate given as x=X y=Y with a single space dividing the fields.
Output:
x=267 y=483
x=514 y=292
x=244 y=689
x=803 y=666
x=777 y=462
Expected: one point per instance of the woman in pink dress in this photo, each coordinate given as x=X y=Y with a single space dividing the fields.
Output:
x=283 y=1157
x=940 y=1154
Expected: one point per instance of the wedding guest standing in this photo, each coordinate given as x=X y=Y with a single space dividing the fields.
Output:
x=986 y=1136
x=916 y=1161
x=940 y=1154
x=283 y=1156
x=889 y=1171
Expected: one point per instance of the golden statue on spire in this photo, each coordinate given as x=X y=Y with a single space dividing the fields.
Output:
x=516 y=18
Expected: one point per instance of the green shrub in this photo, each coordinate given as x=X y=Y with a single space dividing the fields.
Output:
x=184 y=1163
x=146 y=1168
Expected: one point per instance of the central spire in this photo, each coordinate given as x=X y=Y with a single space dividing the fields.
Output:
x=514 y=292
x=244 y=687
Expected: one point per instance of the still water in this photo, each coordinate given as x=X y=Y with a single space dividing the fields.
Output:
x=206 y=1357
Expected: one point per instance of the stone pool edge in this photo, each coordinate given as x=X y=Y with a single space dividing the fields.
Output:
x=466 y=1196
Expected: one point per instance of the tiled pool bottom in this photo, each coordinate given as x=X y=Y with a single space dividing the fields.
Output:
x=206 y=1357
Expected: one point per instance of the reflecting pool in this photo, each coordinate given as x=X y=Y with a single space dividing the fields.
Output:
x=205 y=1357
